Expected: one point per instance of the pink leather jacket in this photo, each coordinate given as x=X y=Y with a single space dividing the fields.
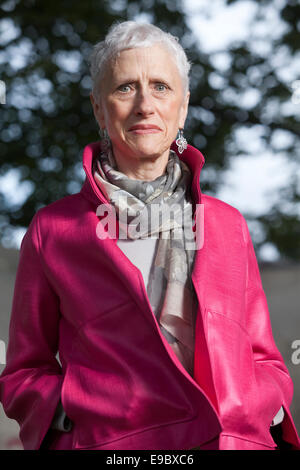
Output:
x=119 y=381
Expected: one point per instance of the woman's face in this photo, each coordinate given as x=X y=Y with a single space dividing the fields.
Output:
x=141 y=103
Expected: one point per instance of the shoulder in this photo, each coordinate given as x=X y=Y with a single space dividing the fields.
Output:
x=221 y=215
x=212 y=202
x=68 y=220
x=59 y=215
x=61 y=207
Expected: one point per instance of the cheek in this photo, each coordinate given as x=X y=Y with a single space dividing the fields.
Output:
x=172 y=115
x=116 y=115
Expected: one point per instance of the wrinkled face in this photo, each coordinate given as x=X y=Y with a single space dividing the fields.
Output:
x=141 y=102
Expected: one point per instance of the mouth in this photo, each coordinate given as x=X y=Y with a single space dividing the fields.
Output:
x=145 y=129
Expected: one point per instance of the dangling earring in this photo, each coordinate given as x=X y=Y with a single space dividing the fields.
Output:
x=181 y=141
x=105 y=140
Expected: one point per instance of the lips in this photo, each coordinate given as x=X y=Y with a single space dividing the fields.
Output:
x=144 y=129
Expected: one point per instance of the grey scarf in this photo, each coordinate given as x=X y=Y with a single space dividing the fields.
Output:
x=170 y=289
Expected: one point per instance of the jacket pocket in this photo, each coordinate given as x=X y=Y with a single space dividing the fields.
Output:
x=243 y=405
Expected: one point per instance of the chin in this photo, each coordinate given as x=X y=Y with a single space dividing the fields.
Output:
x=148 y=153
x=150 y=150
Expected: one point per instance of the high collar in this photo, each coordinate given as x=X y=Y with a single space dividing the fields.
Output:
x=191 y=156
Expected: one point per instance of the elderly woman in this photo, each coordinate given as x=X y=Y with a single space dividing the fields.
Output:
x=148 y=290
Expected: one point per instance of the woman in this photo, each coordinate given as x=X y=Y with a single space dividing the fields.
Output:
x=159 y=316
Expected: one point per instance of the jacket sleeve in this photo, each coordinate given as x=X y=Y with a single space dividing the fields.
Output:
x=272 y=376
x=31 y=381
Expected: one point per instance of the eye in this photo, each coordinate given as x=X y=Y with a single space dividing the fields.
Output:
x=124 y=88
x=160 y=87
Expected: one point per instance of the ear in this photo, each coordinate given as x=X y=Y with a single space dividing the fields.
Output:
x=184 y=110
x=97 y=108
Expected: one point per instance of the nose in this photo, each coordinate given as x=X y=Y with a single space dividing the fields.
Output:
x=144 y=105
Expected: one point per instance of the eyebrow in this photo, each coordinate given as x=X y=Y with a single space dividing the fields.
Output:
x=133 y=80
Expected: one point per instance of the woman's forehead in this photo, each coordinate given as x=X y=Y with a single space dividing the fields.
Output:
x=154 y=60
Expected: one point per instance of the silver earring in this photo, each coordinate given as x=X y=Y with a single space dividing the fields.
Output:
x=181 y=141
x=105 y=140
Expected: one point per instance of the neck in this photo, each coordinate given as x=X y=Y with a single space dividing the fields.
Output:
x=146 y=168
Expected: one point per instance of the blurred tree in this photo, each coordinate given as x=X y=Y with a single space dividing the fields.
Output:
x=266 y=62
x=48 y=119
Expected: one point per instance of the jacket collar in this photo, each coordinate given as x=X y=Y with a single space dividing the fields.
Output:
x=90 y=190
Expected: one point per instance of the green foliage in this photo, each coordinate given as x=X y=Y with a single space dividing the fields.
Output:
x=47 y=119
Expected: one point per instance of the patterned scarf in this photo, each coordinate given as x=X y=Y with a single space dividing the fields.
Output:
x=170 y=289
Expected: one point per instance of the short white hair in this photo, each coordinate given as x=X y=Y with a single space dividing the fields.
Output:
x=129 y=35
